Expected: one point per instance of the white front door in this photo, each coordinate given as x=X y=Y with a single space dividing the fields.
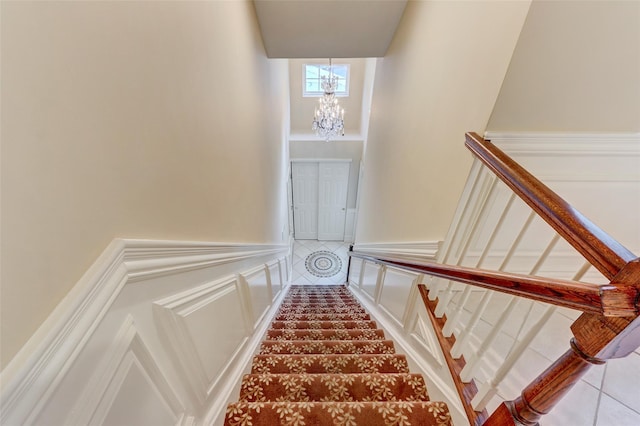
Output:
x=332 y=200
x=305 y=200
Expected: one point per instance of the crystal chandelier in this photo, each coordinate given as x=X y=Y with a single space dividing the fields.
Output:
x=328 y=120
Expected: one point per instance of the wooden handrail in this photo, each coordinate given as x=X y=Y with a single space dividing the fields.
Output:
x=608 y=300
x=599 y=248
x=609 y=326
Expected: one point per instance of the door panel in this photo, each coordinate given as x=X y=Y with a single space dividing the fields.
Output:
x=305 y=200
x=332 y=200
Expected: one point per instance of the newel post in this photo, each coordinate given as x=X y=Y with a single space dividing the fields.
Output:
x=597 y=339
x=545 y=391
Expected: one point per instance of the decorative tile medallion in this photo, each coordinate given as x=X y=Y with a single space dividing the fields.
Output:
x=323 y=263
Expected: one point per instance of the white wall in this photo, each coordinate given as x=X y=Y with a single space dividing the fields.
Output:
x=576 y=68
x=439 y=79
x=159 y=120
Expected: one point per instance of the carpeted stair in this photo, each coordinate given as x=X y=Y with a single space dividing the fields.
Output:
x=324 y=362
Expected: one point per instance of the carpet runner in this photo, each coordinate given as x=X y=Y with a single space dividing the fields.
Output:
x=325 y=362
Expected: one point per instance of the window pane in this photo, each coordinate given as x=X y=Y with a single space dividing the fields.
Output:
x=313 y=83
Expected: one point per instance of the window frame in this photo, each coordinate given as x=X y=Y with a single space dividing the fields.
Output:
x=314 y=94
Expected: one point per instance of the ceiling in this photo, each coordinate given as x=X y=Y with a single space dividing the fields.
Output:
x=328 y=28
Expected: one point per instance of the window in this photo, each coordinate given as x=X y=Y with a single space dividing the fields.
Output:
x=312 y=74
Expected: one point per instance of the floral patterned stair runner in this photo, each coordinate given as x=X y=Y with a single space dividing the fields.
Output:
x=325 y=362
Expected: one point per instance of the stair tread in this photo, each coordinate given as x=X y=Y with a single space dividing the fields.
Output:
x=289 y=316
x=330 y=363
x=325 y=334
x=329 y=325
x=327 y=346
x=322 y=309
x=333 y=387
x=424 y=413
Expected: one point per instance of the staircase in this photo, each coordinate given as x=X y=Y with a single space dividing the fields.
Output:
x=324 y=362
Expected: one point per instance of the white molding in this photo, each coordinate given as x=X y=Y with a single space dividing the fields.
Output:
x=171 y=312
x=240 y=364
x=574 y=144
x=312 y=137
x=321 y=160
x=245 y=276
x=349 y=226
x=412 y=250
x=279 y=281
x=127 y=348
x=35 y=372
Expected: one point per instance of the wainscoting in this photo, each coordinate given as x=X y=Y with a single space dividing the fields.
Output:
x=156 y=333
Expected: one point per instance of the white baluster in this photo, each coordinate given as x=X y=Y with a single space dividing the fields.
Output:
x=462 y=342
x=468 y=374
x=443 y=303
x=469 y=369
x=489 y=389
x=447 y=330
x=475 y=176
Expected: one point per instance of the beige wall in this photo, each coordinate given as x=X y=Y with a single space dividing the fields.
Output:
x=302 y=109
x=576 y=67
x=439 y=79
x=159 y=120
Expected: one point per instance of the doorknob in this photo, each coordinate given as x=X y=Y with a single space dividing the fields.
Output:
x=343 y=209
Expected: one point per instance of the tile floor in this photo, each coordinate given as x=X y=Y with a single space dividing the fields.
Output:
x=303 y=248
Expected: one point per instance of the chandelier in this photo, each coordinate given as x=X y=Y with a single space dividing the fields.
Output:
x=328 y=120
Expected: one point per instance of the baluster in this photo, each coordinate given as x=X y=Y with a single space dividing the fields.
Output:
x=438 y=284
x=448 y=295
x=467 y=372
x=447 y=330
x=490 y=388
x=469 y=369
x=468 y=229
x=462 y=342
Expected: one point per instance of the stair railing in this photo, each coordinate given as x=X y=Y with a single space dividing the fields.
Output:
x=608 y=328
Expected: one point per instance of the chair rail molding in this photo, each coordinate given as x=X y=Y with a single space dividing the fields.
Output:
x=411 y=250
x=113 y=302
x=602 y=157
